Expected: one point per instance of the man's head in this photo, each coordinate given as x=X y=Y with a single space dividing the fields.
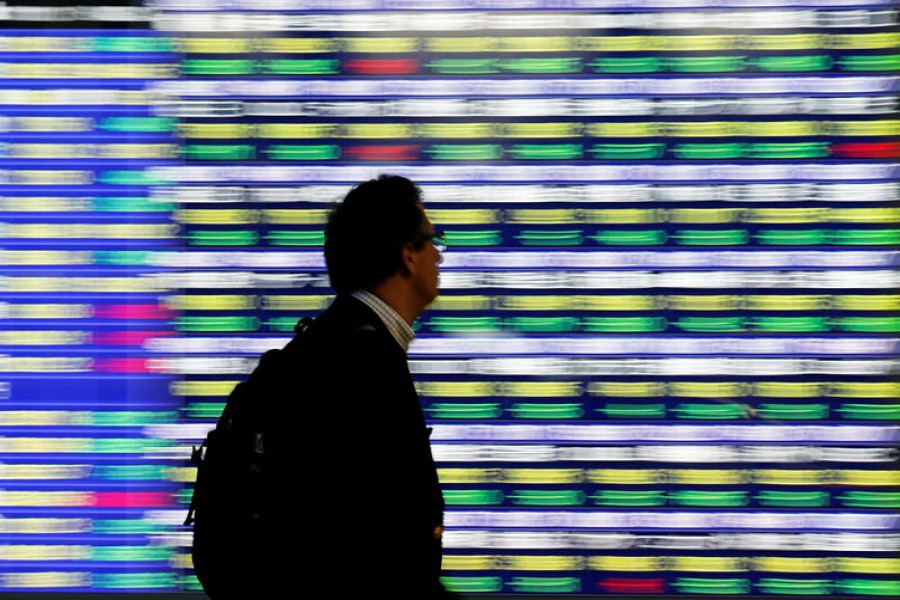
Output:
x=380 y=233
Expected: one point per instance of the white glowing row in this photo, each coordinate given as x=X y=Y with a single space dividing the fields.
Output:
x=581 y=345
x=580 y=280
x=670 y=345
x=543 y=259
x=78 y=97
x=576 y=540
x=458 y=538
x=551 y=367
x=668 y=367
x=540 y=193
x=594 y=433
x=661 y=453
x=720 y=433
x=457 y=5
x=37 y=12
x=553 y=87
x=821 y=172
x=372 y=16
x=551 y=280
x=591 y=259
x=527 y=107
x=431 y=5
x=667 y=519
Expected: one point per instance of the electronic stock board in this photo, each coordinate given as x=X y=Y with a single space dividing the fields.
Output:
x=664 y=358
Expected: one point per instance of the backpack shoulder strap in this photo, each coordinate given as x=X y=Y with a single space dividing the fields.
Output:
x=303 y=324
x=197 y=453
x=300 y=331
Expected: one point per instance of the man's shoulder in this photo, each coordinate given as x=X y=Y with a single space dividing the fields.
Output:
x=347 y=315
x=348 y=322
x=351 y=353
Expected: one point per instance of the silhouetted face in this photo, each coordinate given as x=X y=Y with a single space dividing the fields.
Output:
x=427 y=276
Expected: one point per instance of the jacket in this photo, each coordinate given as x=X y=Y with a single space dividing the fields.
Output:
x=356 y=437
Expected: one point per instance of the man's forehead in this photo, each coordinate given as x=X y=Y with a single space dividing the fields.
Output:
x=428 y=226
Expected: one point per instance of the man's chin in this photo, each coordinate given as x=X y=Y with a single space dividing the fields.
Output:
x=433 y=299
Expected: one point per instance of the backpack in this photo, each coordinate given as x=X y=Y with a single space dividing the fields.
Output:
x=231 y=500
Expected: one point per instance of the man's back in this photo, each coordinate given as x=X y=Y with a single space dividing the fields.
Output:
x=359 y=487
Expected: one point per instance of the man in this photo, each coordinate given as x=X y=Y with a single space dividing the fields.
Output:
x=371 y=502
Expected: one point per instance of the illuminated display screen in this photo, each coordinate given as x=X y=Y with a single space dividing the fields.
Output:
x=664 y=358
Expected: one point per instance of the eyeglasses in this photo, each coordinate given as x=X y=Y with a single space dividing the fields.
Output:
x=437 y=239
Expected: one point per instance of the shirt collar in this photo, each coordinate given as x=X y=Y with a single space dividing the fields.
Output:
x=400 y=329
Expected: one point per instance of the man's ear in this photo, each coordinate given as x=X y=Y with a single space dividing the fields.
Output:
x=408 y=259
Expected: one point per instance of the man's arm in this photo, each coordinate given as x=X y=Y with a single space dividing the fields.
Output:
x=393 y=441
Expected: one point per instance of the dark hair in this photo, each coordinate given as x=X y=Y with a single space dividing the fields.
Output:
x=366 y=232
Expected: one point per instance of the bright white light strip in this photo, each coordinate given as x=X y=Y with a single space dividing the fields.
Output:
x=122 y=14
x=430 y=5
x=665 y=453
x=239 y=260
x=520 y=107
x=555 y=280
x=467 y=16
x=561 y=366
x=785 y=193
x=544 y=173
x=669 y=367
x=457 y=539
x=540 y=441
x=460 y=538
x=598 y=344
x=192 y=432
x=669 y=520
x=72 y=96
x=467 y=88
x=590 y=259
x=602 y=344
x=722 y=433
x=586 y=259
x=190 y=365
x=543 y=438
x=164 y=282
